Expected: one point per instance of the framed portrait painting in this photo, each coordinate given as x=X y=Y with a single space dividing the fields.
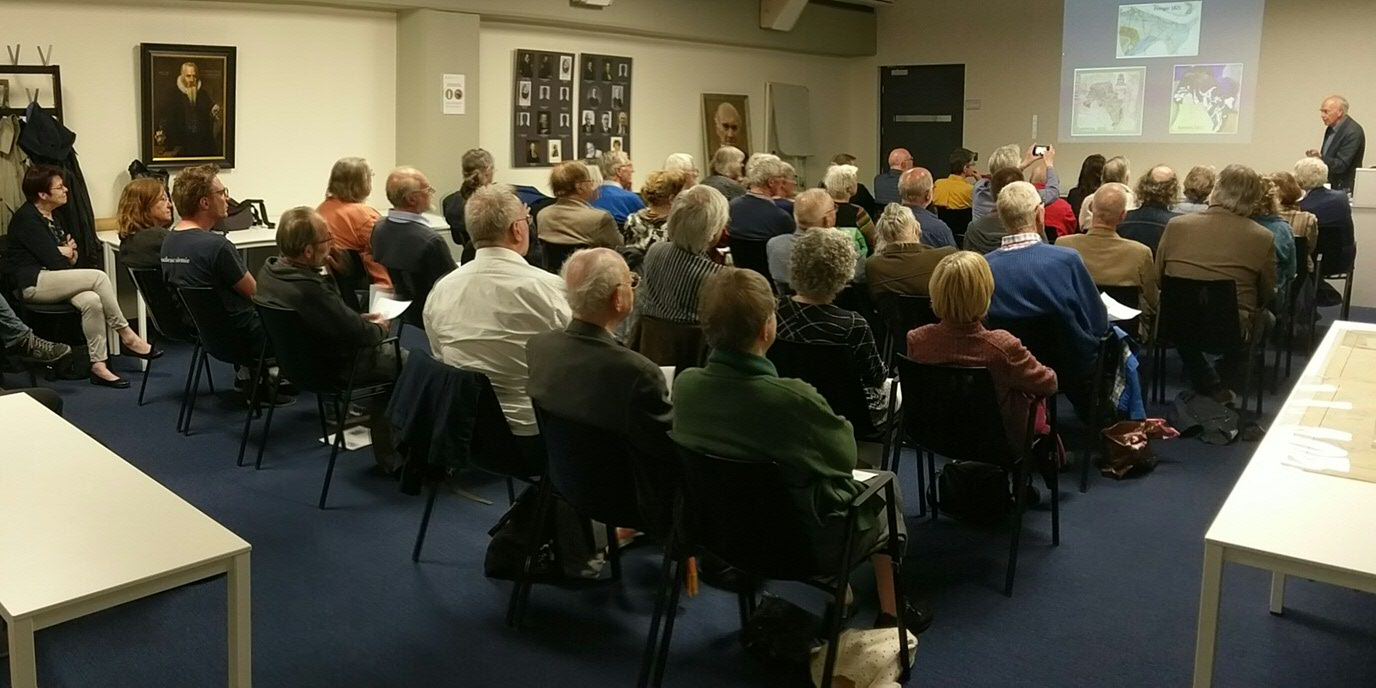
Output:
x=187 y=92
x=725 y=122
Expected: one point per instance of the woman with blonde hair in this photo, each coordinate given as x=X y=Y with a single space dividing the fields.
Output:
x=962 y=287
x=349 y=217
x=145 y=213
x=646 y=226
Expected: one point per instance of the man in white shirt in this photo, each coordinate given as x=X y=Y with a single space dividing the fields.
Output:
x=480 y=316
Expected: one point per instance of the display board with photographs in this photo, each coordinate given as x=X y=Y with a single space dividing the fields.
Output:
x=604 y=105
x=542 y=119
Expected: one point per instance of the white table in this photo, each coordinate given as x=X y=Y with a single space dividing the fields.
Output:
x=81 y=530
x=1294 y=522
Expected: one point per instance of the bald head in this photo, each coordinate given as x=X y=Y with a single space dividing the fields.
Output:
x=915 y=187
x=900 y=159
x=594 y=278
x=1110 y=205
x=814 y=208
x=727 y=121
x=409 y=190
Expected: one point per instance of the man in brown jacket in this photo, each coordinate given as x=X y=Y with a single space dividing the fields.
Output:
x=570 y=220
x=1218 y=243
x=1112 y=260
x=904 y=264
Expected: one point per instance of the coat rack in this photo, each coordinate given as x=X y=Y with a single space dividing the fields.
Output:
x=19 y=101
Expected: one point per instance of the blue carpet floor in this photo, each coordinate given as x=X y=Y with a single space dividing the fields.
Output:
x=338 y=602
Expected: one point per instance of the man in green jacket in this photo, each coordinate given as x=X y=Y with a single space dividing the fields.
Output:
x=738 y=407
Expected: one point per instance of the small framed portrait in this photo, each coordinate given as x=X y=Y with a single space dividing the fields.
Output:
x=589 y=69
x=523 y=119
x=616 y=144
x=4 y=93
x=606 y=70
x=525 y=64
x=188 y=103
x=533 y=152
x=606 y=122
x=623 y=70
x=556 y=151
x=544 y=93
x=565 y=95
x=594 y=96
x=565 y=67
x=565 y=120
x=523 y=93
x=589 y=121
x=618 y=97
x=542 y=123
x=590 y=150
x=546 y=66
x=623 y=123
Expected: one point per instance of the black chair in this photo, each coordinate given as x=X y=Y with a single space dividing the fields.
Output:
x=903 y=313
x=56 y=322
x=1300 y=305
x=832 y=370
x=352 y=279
x=298 y=350
x=599 y=475
x=1202 y=315
x=957 y=219
x=1130 y=297
x=169 y=322
x=554 y=255
x=1339 y=267
x=221 y=340
x=742 y=512
x=954 y=411
x=750 y=254
x=668 y=343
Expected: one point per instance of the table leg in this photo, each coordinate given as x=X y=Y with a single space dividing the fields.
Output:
x=1206 y=640
x=23 y=663
x=240 y=624
x=1277 y=593
x=112 y=273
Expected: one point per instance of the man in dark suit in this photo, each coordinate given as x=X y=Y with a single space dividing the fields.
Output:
x=1344 y=143
x=191 y=117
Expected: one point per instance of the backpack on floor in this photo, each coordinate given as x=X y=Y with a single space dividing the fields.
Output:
x=974 y=491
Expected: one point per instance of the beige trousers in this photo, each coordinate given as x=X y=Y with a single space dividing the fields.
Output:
x=91 y=293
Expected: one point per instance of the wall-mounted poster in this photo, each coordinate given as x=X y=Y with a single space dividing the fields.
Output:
x=725 y=122
x=188 y=104
x=542 y=108
x=605 y=105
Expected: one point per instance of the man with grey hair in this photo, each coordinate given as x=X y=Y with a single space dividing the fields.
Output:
x=674 y=269
x=1033 y=279
x=754 y=216
x=616 y=197
x=813 y=208
x=1113 y=260
x=1008 y=156
x=1223 y=243
x=1344 y=143
x=582 y=373
x=481 y=316
x=404 y=243
x=886 y=183
x=915 y=188
x=1157 y=192
x=726 y=168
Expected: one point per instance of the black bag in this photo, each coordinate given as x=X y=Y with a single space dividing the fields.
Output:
x=244 y=214
x=575 y=551
x=1201 y=416
x=73 y=366
x=974 y=491
x=780 y=634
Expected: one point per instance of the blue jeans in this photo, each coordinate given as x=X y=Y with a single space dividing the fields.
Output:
x=12 y=329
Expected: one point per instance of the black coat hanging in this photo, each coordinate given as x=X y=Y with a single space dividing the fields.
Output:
x=47 y=142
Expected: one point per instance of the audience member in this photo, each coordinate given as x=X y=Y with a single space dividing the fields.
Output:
x=294 y=281
x=20 y=341
x=1199 y=183
x=682 y=161
x=842 y=183
x=727 y=169
x=862 y=196
x=646 y=226
x=813 y=209
x=955 y=192
x=903 y=264
x=478 y=170
x=915 y=188
x=1091 y=176
x=1302 y=222
x=1219 y=243
x=403 y=242
x=1116 y=171
x=350 y=218
x=1033 y=279
x=570 y=220
x=1060 y=217
x=1157 y=191
x=789 y=190
x=982 y=202
x=144 y=218
x=40 y=259
x=962 y=288
x=1266 y=213
x=673 y=270
x=1336 y=244
x=754 y=217
x=886 y=183
x=1115 y=261
x=738 y=407
x=986 y=233
x=1344 y=143
x=615 y=195
x=481 y=315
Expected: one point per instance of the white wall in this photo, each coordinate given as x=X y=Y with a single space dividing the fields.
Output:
x=669 y=79
x=314 y=85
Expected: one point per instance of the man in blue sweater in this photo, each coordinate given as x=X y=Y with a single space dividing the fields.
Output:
x=915 y=188
x=616 y=197
x=754 y=216
x=1033 y=279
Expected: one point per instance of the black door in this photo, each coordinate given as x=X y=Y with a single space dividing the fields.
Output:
x=922 y=108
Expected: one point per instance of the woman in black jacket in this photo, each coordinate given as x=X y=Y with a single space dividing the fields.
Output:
x=40 y=257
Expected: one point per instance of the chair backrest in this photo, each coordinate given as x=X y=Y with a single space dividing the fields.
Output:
x=668 y=343
x=831 y=369
x=957 y=219
x=554 y=255
x=903 y=313
x=307 y=357
x=164 y=310
x=351 y=278
x=215 y=326
x=1049 y=342
x=1301 y=259
x=1199 y=314
x=594 y=470
x=953 y=411
x=750 y=255
x=741 y=511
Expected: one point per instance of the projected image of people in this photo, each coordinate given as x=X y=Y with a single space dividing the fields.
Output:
x=1205 y=99
x=1107 y=102
x=1158 y=29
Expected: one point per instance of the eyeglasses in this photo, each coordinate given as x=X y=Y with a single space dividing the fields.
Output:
x=635 y=280
x=224 y=191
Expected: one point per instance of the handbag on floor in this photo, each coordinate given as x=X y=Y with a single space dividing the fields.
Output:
x=575 y=549
x=865 y=658
x=974 y=491
x=1127 y=451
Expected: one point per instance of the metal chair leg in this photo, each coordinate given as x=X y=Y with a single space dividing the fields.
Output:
x=147 y=368
x=267 y=423
x=520 y=591
x=614 y=552
x=1019 y=507
x=1055 y=503
x=680 y=572
x=186 y=387
x=255 y=382
x=341 y=411
x=647 y=663
x=425 y=520
x=209 y=380
x=195 y=391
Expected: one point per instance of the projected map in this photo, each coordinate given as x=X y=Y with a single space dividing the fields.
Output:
x=1108 y=102
x=1158 y=29
x=1206 y=99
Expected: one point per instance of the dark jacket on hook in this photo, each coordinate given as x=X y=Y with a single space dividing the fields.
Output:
x=47 y=142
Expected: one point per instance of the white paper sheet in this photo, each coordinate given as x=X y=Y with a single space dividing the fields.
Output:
x=389 y=307
x=859 y=474
x=1117 y=312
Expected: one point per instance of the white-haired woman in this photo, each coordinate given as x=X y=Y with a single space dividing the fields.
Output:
x=726 y=170
x=682 y=161
x=1118 y=171
x=1336 y=244
x=842 y=183
x=673 y=270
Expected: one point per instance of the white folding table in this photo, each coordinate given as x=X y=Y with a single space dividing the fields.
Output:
x=1296 y=522
x=82 y=530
